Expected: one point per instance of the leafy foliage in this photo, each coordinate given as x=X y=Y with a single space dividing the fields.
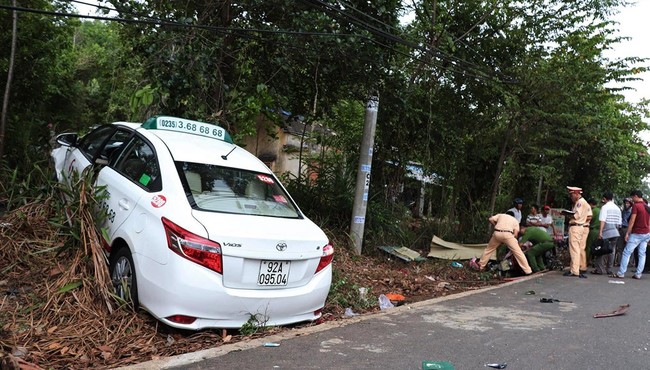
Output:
x=496 y=99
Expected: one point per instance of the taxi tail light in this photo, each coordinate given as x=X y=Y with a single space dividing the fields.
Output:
x=326 y=259
x=181 y=319
x=190 y=246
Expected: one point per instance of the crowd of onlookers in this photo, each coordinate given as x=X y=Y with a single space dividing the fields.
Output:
x=602 y=235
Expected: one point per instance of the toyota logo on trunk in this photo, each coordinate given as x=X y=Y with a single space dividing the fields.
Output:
x=281 y=247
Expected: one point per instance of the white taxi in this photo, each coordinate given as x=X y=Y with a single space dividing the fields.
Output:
x=198 y=231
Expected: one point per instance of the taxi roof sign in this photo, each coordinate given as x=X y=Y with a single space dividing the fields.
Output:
x=187 y=126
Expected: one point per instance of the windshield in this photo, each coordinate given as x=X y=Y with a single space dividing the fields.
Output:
x=231 y=190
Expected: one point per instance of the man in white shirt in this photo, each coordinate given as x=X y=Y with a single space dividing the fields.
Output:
x=547 y=221
x=534 y=218
x=516 y=209
x=610 y=221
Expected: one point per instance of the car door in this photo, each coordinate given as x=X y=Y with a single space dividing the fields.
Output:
x=94 y=148
x=132 y=174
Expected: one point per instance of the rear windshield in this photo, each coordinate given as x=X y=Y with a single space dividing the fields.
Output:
x=230 y=190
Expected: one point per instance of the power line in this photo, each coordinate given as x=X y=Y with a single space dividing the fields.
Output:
x=248 y=33
x=158 y=22
x=378 y=32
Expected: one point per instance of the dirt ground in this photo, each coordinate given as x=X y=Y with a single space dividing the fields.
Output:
x=52 y=316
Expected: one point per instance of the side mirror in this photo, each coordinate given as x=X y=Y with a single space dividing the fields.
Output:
x=68 y=139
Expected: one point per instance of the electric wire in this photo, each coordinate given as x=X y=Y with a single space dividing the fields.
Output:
x=433 y=50
x=243 y=32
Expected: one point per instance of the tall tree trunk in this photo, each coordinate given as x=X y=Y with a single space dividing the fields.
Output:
x=497 y=175
x=10 y=75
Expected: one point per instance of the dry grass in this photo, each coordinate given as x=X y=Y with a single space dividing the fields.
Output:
x=58 y=311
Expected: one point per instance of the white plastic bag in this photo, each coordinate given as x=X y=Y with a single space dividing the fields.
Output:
x=384 y=302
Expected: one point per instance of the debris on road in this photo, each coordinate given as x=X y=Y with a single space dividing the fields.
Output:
x=438 y=365
x=621 y=310
x=552 y=300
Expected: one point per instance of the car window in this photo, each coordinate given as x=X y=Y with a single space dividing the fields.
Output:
x=231 y=190
x=93 y=141
x=115 y=143
x=138 y=162
x=103 y=142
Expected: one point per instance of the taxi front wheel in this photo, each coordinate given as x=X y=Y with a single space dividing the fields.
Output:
x=123 y=276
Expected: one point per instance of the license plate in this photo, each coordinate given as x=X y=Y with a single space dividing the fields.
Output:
x=274 y=273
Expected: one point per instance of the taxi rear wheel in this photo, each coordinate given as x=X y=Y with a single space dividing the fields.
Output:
x=123 y=276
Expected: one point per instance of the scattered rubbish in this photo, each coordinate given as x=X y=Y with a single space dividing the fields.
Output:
x=456 y=264
x=621 y=310
x=349 y=313
x=444 y=285
x=403 y=253
x=271 y=344
x=497 y=366
x=438 y=365
x=395 y=299
x=429 y=277
x=551 y=300
x=385 y=303
x=362 y=293
x=616 y=282
x=530 y=292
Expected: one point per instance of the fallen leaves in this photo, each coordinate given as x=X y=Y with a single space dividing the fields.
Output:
x=80 y=326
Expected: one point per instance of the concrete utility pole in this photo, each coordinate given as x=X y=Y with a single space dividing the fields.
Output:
x=363 y=175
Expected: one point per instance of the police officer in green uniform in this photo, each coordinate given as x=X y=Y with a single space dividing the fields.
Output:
x=594 y=228
x=541 y=242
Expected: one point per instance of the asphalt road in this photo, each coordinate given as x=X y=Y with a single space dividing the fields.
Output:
x=501 y=324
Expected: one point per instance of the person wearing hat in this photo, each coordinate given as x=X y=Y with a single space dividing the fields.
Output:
x=547 y=221
x=518 y=204
x=578 y=232
x=636 y=236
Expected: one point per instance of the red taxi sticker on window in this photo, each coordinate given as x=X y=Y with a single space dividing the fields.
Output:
x=265 y=179
x=158 y=201
x=280 y=198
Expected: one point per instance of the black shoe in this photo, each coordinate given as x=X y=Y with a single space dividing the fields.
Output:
x=568 y=273
x=582 y=276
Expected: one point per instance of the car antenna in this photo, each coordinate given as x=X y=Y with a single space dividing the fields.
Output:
x=225 y=157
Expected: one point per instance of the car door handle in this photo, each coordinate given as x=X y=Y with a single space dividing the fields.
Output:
x=124 y=204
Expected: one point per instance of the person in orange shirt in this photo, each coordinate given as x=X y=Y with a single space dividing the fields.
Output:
x=506 y=229
x=578 y=232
